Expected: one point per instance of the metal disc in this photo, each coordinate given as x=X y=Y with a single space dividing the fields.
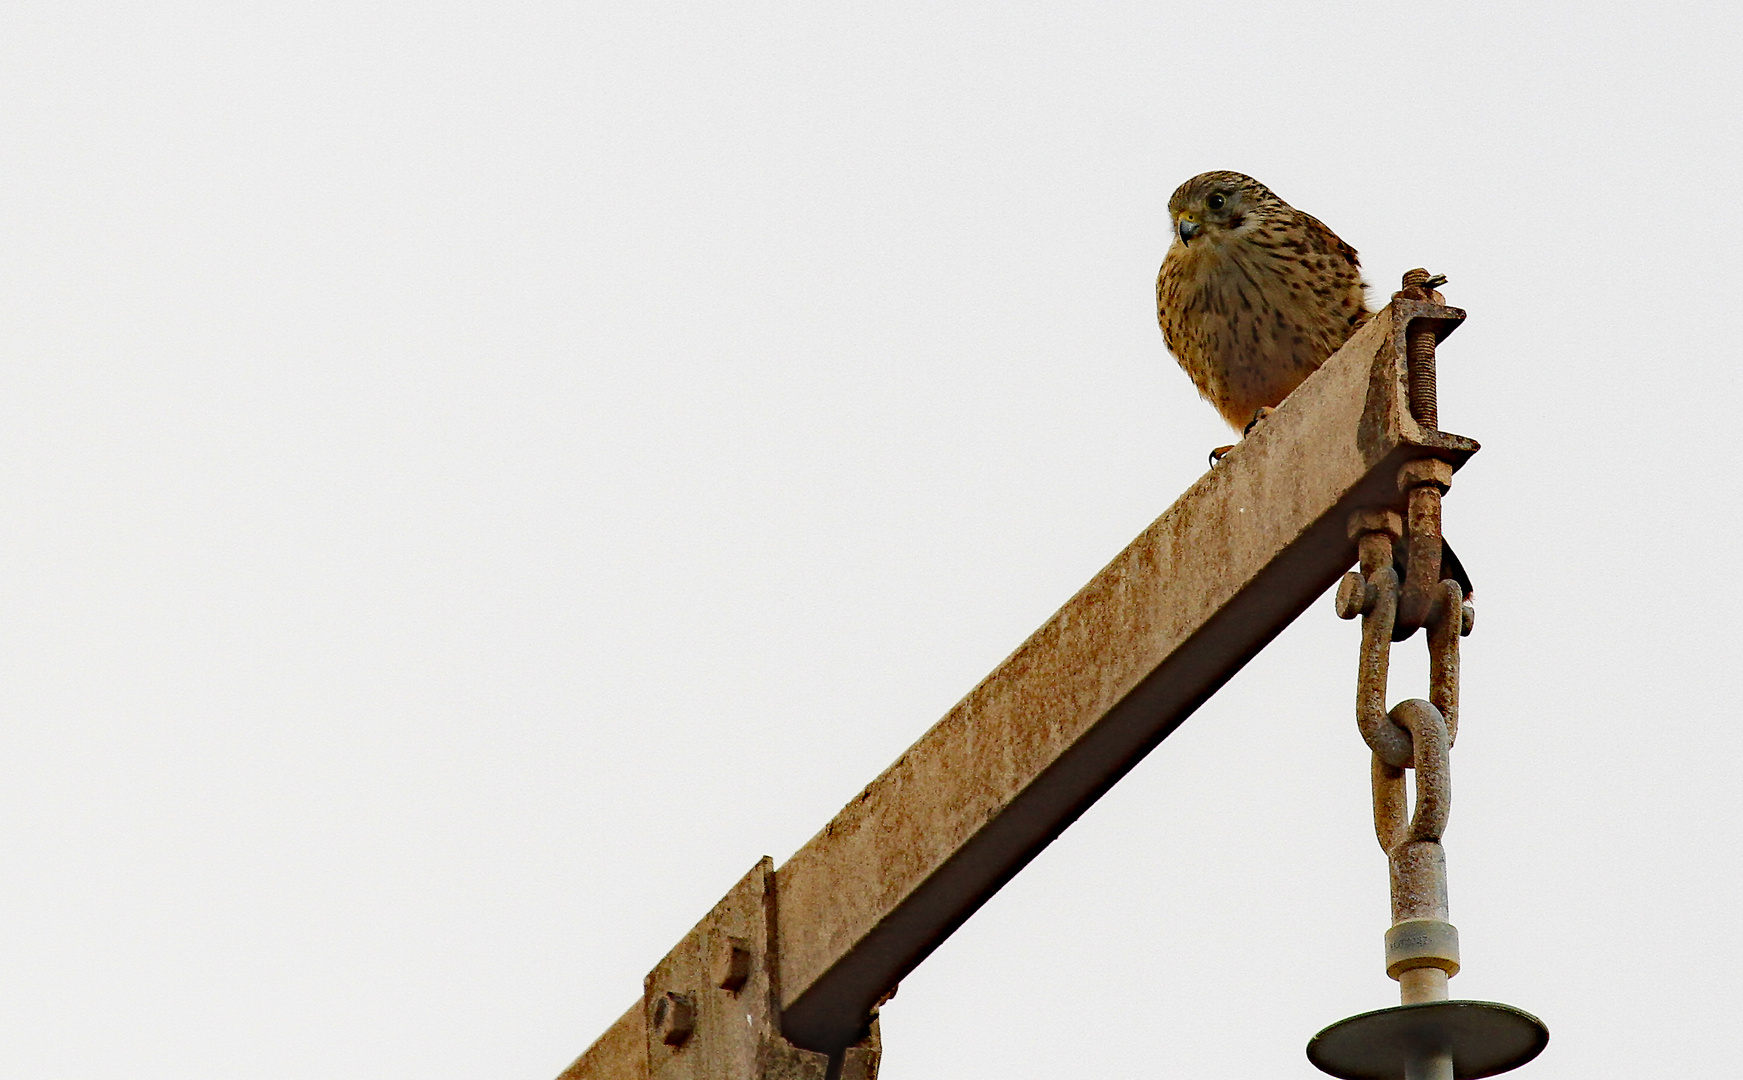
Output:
x=1485 y=1039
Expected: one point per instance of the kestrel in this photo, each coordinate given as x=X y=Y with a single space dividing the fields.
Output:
x=1253 y=294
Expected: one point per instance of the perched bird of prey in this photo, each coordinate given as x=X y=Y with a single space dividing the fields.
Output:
x=1253 y=294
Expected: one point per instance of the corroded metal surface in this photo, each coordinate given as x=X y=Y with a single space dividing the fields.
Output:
x=709 y=1008
x=1243 y=552
x=619 y=1054
x=722 y=972
x=1419 y=347
x=1175 y=615
x=1427 y=1036
x=1415 y=734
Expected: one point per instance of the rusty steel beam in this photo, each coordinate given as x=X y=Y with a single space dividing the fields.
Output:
x=1236 y=558
x=619 y=1054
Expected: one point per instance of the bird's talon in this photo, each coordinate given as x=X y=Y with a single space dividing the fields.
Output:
x=1216 y=455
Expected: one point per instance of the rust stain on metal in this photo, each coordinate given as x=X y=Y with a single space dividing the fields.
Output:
x=1243 y=552
x=1415 y=735
x=619 y=1054
x=1095 y=688
x=1419 y=349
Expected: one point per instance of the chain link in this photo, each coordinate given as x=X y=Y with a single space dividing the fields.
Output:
x=1416 y=734
x=1399 y=589
x=1409 y=580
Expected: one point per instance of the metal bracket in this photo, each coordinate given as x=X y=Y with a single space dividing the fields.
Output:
x=1442 y=318
x=711 y=1007
x=1418 y=325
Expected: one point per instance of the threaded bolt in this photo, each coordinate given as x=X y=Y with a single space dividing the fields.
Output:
x=1419 y=353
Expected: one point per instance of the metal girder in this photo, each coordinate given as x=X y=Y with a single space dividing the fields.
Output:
x=709 y=1010
x=1236 y=558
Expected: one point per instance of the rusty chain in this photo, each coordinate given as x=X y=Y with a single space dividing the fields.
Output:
x=1415 y=735
x=1409 y=580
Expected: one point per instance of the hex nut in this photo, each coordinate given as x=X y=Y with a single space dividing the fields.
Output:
x=1425 y=471
x=1467 y=618
x=674 y=1018
x=732 y=962
x=1389 y=522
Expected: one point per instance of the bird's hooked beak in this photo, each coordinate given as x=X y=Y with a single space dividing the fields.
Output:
x=1188 y=229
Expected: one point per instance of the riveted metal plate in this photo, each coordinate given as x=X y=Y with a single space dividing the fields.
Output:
x=710 y=1008
x=732 y=1027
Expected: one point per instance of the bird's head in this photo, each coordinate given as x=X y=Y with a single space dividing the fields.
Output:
x=1213 y=206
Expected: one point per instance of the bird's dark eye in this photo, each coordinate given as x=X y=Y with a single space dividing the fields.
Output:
x=1216 y=200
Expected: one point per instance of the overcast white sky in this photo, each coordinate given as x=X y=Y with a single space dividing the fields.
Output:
x=475 y=477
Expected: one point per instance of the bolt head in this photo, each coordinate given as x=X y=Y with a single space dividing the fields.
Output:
x=1353 y=596
x=674 y=1018
x=732 y=963
x=1467 y=618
